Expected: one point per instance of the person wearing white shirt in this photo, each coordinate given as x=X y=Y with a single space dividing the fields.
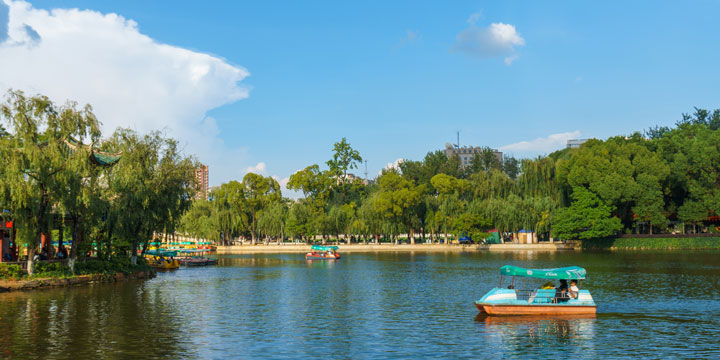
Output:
x=573 y=291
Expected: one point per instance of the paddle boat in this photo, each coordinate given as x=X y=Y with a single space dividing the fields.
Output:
x=544 y=301
x=162 y=260
x=193 y=257
x=321 y=252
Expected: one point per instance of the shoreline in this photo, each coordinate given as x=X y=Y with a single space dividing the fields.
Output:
x=357 y=248
x=46 y=283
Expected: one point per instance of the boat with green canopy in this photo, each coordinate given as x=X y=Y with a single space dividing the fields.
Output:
x=546 y=300
x=322 y=252
x=162 y=259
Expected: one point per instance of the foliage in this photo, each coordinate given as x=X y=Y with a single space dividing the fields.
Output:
x=11 y=271
x=48 y=171
x=652 y=243
x=586 y=218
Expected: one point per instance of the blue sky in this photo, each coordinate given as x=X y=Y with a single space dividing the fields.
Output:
x=392 y=77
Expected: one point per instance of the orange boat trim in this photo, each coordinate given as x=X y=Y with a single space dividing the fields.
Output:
x=535 y=309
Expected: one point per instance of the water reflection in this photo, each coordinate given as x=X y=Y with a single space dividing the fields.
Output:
x=541 y=328
x=89 y=320
x=370 y=305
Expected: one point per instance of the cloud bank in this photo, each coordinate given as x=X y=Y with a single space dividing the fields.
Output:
x=539 y=146
x=498 y=39
x=130 y=79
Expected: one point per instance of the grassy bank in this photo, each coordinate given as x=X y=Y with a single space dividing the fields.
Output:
x=60 y=271
x=699 y=243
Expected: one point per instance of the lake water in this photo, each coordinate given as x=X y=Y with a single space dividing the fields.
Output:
x=372 y=305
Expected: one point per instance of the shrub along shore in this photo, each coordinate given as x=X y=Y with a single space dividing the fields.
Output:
x=702 y=243
x=56 y=274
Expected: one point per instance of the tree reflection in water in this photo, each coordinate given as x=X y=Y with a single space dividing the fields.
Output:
x=124 y=319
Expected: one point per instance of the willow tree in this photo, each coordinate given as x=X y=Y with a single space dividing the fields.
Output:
x=79 y=191
x=149 y=186
x=229 y=209
x=260 y=192
x=33 y=157
x=538 y=179
x=272 y=221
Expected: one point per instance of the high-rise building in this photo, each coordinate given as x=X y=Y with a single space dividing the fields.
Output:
x=466 y=153
x=575 y=143
x=202 y=181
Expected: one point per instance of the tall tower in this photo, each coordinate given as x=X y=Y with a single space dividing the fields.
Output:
x=202 y=181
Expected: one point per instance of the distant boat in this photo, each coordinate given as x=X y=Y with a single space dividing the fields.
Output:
x=511 y=301
x=321 y=252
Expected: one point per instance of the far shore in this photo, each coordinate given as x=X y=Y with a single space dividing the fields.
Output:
x=344 y=248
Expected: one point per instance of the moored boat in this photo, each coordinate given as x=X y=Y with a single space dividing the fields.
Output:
x=543 y=301
x=321 y=252
x=162 y=260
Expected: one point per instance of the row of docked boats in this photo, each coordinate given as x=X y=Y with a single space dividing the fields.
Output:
x=169 y=260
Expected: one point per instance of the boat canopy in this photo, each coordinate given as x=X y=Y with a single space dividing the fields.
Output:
x=324 y=248
x=569 y=273
x=161 y=253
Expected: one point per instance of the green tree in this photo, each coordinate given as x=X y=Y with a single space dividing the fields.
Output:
x=450 y=203
x=272 y=220
x=397 y=197
x=34 y=156
x=260 y=192
x=586 y=218
x=147 y=188
x=229 y=209
x=344 y=158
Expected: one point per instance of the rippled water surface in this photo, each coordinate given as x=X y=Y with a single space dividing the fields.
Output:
x=372 y=305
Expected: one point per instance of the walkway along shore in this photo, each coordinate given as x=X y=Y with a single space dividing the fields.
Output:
x=301 y=248
x=33 y=284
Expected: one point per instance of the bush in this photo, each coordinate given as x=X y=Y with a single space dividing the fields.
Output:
x=55 y=269
x=653 y=243
x=11 y=271
x=110 y=266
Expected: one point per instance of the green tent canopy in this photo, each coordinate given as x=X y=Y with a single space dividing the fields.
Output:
x=324 y=248
x=569 y=273
x=161 y=253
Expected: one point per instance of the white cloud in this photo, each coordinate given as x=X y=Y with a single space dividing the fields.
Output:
x=508 y=60
x=541 y=145
x=392 y=165
x=257 y=169
x=130 y=79
x=498 y=39
x=474 y=18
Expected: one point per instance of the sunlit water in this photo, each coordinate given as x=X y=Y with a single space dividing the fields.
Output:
x=372 y=305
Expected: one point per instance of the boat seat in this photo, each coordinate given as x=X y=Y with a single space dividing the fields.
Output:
x=542 y=296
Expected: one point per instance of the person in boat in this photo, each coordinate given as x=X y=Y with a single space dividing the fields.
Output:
x=573 y=290
x=548 y=285
x=561 y=292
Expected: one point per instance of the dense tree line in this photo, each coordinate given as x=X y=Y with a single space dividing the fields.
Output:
x=58 y=172
x=663 y=180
